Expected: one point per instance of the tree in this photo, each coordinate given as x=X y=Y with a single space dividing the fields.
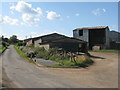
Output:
x=20 y=43
x=6 y=39
x=13 y=39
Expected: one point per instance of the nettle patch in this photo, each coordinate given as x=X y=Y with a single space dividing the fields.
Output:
x=64 y=58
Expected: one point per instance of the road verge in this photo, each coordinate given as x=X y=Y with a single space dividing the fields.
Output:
x=22 y=54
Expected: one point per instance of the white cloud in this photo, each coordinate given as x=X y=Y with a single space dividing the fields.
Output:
x=29 y=14
x=1 y=33
x=52 y=15
x=104 y=10
x=26 y=8
x=29 y=18
x=99 y=11
x=77 y=14
x=0 y=18
x=34 y=34
x=11 y=21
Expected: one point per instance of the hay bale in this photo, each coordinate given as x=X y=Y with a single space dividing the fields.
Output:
x=82 y=58
x=95 y=48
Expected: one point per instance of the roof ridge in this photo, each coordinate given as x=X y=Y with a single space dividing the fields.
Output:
x=96 y=27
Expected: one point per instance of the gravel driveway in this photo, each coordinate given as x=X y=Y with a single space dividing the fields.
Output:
x=45 y=62
x=102 y=74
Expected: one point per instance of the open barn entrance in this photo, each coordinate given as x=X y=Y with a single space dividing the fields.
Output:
x=96 y=37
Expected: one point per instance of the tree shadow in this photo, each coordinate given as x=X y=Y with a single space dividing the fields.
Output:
x=92 y=56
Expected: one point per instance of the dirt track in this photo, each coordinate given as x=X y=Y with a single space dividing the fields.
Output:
x=102 y=74
x=23 y=74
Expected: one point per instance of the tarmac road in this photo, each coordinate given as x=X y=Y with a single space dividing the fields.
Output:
x=27 y=75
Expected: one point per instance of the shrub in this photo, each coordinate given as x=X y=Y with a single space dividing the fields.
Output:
x=52 y=51
x=19 y=43
x=39 y=49
x=83 y=61
x=67 y=63
x=54 y=58
x=41 y=53
x=63 y=59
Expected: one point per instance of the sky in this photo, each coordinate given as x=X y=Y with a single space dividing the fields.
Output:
x=32 y=19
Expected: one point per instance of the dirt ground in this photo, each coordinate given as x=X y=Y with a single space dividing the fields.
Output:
x=6 y=82
x=102 y=74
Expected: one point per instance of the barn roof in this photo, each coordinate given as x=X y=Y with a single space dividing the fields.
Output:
x=56 y=38
x=27 y=39
x=88 y=28
x=52 y=34
x=64 y=40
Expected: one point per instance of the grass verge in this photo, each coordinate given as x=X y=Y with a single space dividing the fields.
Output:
x=63 y=60
x=112 y=51
x=68 y=63
x=2 y=49
x=22 y=54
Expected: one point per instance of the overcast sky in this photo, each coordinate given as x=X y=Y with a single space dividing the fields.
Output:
x=31 y=19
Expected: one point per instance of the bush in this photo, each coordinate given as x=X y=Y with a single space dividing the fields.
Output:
x=19 y=43
x=83 y=61
x=67 y=63
x=43 y=54
x=52 y=51
x=23 y=54
x=38 y=49
x=62 y=59
x=54 y=58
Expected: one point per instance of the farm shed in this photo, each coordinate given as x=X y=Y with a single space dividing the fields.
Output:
x=94 y=36
x=29 y=41
x=60 y=41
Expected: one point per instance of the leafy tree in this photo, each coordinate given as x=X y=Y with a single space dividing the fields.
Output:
x=19 y=43
x=6 y=39
x=13 y=39
x=4 y=44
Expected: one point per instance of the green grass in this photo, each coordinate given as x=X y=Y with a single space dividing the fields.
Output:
x=59 y=65
x=2 y=49
x=113 y=51
x=22 y=54
x=63 y=61
x=68 y=63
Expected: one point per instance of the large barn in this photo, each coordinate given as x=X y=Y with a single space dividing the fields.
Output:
x=94 y=36
x=56 y=40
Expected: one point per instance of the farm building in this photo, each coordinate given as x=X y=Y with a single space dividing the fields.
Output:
x=29 y=41
x=114 y=36
x=60 y=41
x=114 y=40
x=94 y=36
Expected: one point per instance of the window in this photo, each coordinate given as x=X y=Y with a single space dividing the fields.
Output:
x=80 y=32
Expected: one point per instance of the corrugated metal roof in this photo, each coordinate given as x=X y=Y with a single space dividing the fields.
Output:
x=64 y=39
x=57 y=38
x=87 y=28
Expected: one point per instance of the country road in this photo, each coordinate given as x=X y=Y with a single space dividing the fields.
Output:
x=23 y=74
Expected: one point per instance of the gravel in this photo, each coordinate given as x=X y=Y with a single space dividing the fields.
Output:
x=45 y=62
